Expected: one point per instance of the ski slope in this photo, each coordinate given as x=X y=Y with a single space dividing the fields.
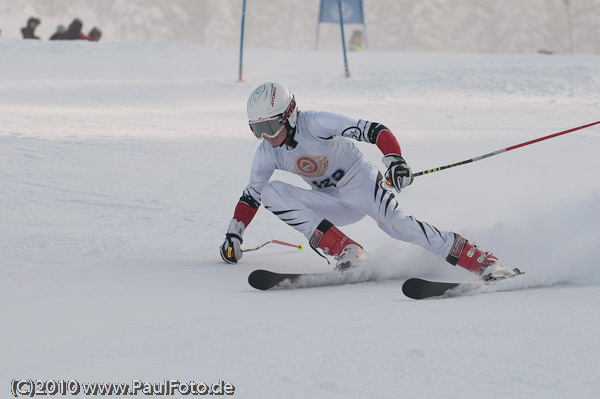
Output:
x=120 y=167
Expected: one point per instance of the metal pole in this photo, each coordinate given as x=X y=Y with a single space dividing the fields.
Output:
x=343 y=39
x=242 y=39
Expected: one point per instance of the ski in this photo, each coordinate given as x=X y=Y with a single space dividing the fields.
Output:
x=266 y=280
x=414 y=288
x=417 y=288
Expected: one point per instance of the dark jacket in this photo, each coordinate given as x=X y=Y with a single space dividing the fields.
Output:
x=74 y=31
x=72 y=34
x=28 y=33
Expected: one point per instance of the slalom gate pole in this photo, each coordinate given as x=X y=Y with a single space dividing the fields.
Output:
x=343 y=39
x=426 y=172
x=242 y=41
x=300 y=247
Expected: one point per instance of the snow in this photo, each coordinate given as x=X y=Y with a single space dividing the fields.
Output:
x=120 y=166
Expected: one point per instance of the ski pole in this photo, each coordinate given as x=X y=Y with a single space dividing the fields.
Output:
x=300 y=247
x=425 y=172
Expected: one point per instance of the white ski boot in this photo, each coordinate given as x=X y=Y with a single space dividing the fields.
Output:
x=497 y=271
x=351 y=256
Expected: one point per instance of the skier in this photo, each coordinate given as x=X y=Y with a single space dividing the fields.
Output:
x=345 y=186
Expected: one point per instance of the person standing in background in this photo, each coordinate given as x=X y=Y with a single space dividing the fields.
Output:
x=74 y=31
x=28 y=31
x=356 y=42
x=60 y=31
x=95 y=34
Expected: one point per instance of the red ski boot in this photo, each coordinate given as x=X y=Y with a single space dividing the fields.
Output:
x=469 y=256
x=333 y=242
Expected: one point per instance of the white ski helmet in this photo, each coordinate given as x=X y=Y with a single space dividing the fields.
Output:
x=270 y=106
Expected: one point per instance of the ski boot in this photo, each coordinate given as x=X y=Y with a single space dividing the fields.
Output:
x=333 y=242
x=351 y=255
x=469 y=256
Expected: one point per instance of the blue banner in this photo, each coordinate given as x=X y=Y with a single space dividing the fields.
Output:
x=352 y=11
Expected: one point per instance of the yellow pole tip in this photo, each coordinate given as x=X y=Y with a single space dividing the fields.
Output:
x=301 y=247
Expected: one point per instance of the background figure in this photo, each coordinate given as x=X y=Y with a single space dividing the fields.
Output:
x=29 y=31
x=95 y=34
x=60 y=31
x=356 y=42
x=74 y=31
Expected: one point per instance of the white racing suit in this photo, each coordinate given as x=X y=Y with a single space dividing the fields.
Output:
x=345 y=186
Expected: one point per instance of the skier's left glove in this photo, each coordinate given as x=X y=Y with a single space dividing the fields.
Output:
x=230 y=249
x=398 y=174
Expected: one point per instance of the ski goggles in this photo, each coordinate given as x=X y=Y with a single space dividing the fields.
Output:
x=269 y=128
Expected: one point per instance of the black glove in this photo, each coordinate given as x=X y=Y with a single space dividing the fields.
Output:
x=230 y=249
x=398 y=174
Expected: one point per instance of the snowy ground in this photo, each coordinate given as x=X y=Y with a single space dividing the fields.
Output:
x=120 y=166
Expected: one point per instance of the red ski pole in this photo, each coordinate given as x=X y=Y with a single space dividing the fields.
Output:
x=425 y=172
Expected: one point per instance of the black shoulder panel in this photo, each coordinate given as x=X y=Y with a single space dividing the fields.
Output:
x=374 y=131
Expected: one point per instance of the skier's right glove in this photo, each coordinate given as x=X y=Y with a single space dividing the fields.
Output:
x=230 y=249
x=398 y=174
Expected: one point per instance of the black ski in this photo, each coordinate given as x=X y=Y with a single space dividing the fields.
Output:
x=266 y=280
x=417 y=288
